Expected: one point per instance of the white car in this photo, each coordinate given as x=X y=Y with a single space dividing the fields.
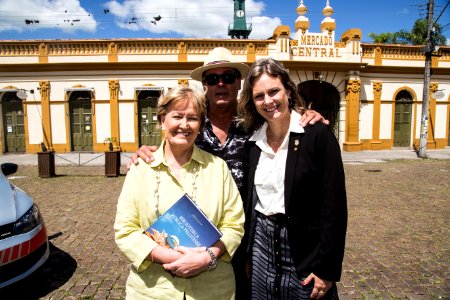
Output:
x=23 y=236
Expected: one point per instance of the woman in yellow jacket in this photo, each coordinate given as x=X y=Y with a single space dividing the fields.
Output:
x=149 y=190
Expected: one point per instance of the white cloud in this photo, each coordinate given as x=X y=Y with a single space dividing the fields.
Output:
x=66 y=15
x=179 y=18
x=195 y=18
x=263 y=27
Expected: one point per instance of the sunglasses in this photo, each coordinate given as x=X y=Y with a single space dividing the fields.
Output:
x=227 y=78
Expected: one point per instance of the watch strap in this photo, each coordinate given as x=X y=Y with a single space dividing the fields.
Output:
x=213 y=262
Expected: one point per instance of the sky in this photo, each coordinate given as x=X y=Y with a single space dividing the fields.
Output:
x=100 y=19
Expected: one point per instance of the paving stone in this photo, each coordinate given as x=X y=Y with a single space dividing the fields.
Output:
x=77 y=289
x=397 y=243
x=89 y=291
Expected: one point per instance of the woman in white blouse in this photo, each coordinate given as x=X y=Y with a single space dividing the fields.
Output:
x=296 y=211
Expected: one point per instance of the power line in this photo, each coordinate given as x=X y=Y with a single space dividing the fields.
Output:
x=448 y=2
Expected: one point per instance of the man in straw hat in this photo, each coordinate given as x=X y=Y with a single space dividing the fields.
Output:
x=221 y=77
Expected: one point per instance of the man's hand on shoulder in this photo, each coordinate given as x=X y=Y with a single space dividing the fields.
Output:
x=311 y=117
x=145 y=153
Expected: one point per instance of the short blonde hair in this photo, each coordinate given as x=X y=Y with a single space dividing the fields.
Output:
x=183 y=92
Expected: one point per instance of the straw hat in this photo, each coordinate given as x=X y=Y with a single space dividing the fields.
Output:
x=219 y=58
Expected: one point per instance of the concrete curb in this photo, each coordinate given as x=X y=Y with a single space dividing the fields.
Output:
x=98 y=159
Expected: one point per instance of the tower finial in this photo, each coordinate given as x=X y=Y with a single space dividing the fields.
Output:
x=302 y=22
x=328 y=10
x=328 y=23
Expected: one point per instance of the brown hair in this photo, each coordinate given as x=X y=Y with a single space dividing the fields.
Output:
x=248 y=117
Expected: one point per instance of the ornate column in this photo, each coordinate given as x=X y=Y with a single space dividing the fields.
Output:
x=114 y=108
x=352 y=142
x=376 y=143
x=44 y=88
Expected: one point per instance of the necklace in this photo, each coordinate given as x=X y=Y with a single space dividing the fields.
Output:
x=158 y=180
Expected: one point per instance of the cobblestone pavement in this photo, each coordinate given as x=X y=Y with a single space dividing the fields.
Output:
x=398 y=240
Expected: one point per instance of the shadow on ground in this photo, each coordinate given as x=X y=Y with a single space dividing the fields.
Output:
x=55 y=272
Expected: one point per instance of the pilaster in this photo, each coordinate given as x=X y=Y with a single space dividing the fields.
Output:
x=182 y=52
x=43 y=53
x=251 y=54
x=44 y=89
x=375 y=142
x=183 y=81
x=112 y=52
x=378 y=56
x=431 y=142
x=114 y=109
x=353 y=90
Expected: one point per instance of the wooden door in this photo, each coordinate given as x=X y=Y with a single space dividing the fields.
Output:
x=13 y=123
x=149 y=132
x=402 y=121
x=81 y=124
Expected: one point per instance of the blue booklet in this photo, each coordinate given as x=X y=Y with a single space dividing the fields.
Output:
x=184 y=224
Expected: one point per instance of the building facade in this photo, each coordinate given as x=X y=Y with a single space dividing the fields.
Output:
x=72 y=95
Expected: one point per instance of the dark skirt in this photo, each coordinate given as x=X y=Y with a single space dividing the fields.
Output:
x=273 y=275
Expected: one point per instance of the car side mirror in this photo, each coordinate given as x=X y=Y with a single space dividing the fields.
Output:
x=9 y=168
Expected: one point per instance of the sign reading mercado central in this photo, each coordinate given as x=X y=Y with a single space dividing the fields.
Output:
x=315 y=45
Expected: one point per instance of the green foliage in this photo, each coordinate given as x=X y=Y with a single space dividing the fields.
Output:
x=384 y=38
x=110 y=140
x=112 y=143
x=416 y=36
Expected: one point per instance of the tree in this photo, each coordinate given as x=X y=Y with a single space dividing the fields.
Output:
x=417 y=35
x=384 y=38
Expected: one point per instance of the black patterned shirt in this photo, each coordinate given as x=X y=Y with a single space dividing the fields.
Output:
x=232 y=151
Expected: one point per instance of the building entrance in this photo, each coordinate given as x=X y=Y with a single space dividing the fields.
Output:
x=80 y=107
x=324 y=98
x=402 y=122
x=149 y=133
x=12 y=123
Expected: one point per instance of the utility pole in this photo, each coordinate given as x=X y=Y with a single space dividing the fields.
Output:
x=429 y=47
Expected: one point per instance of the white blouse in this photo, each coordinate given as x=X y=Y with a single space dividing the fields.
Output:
x=270 y=172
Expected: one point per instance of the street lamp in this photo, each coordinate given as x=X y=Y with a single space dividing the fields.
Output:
x=22 y=93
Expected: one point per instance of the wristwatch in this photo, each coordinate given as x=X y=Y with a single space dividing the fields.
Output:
x=213 y=263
